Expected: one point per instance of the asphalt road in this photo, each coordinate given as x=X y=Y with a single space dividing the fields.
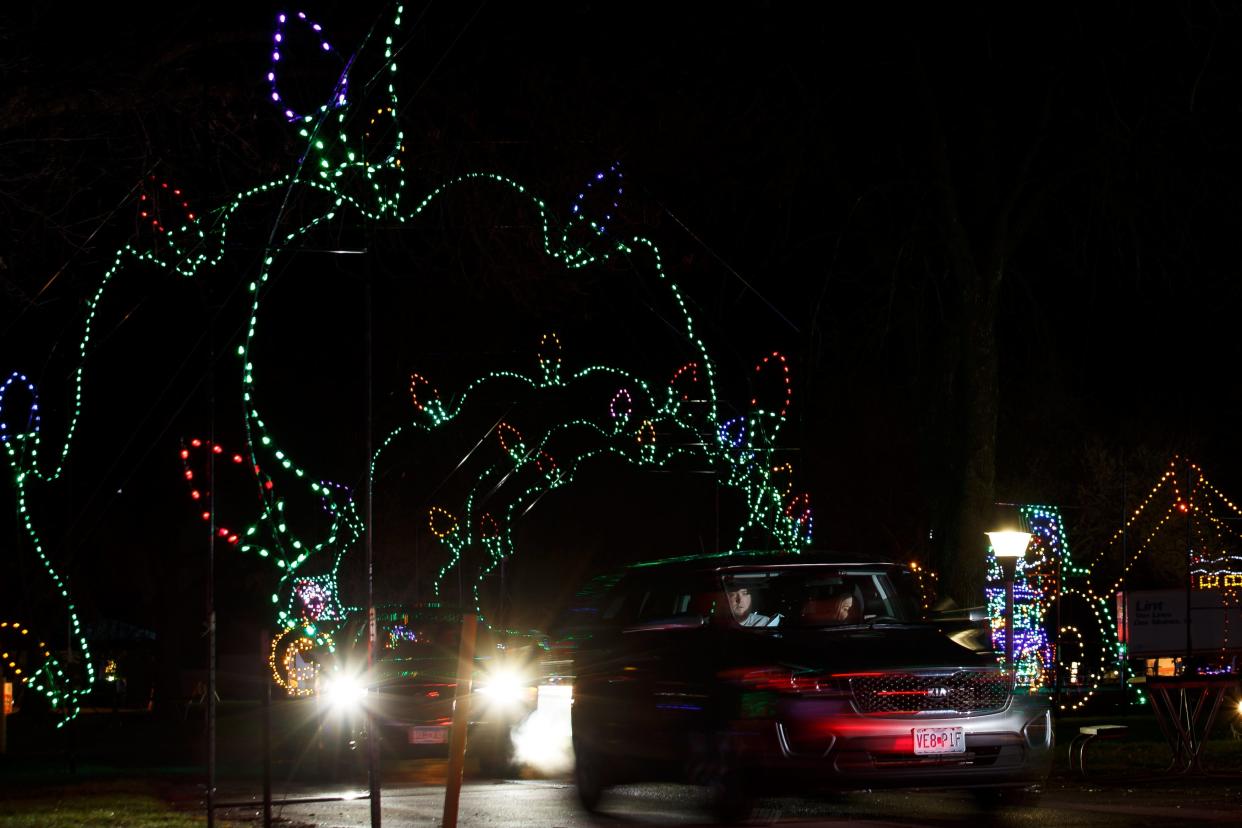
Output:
x=418 y=800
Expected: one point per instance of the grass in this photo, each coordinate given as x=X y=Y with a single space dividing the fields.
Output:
x=123 y=803
x=1144 y=749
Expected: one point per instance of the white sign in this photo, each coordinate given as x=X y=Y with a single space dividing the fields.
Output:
x=1153 y=622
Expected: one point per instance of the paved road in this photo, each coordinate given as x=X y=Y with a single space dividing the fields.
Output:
x=551 y=803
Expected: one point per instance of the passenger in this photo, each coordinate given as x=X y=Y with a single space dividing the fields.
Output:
x=844 y=608
x=741 y=602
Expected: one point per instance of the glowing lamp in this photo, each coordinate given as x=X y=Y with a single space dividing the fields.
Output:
x=1009 y=545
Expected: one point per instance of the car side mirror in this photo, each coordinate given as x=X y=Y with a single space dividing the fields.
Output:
x=972 y=614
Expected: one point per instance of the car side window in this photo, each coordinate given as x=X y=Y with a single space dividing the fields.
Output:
x=674 y=600
x=622 y=606
x=660 y=601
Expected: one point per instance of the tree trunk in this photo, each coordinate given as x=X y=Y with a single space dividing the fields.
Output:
x=973 y=511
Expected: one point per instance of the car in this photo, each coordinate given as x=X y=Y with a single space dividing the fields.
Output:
x=843 y=683
x=413 y=684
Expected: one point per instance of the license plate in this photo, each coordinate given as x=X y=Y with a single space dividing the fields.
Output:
x=428 y=735
x=939 y=740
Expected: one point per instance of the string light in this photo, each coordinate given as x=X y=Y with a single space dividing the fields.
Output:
x=36 y=668
x=150 y=209
x=289 y=647
x=550 y=358
x=279 y=38
x=349 y=178
x=199 y=495
x=621 y=412
x=788 y=385
x=22 y=441
x=600 y=179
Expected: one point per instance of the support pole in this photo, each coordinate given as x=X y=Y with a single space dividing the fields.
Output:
x=373 y=771
x=461 y=719
x=265 y=704
x=4 y=711
x=1190 y=522
x=211 y=576
x=1008 y=567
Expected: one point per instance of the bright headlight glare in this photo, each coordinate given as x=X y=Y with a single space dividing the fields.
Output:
x=343 y=693
x=504 y=687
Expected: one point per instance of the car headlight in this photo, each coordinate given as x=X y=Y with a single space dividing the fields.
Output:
x=343 y=693
x=505 y=688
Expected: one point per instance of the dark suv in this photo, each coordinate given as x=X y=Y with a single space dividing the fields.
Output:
x=414 y=682
x=760 y=673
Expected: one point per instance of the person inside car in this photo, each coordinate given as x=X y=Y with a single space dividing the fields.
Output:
x=843 y=608
x=837 y=608
x=741 y=603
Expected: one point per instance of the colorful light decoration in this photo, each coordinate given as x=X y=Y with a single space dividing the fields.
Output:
x=151 y=207
x=426 y=401
x=290 y=647
x=925 y=581
x=1031 y=652
x=1051 y=575
x=22 y=440
x=31 y=663
x=619 y=411
x=279 y=37
x=368 y=138
x=788 y=385
x=600 y=181
x=684 y=378
x=355 y=184
x=550 y=358
x=203 y=496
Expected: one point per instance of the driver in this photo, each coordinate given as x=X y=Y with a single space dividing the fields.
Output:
x=741 y=603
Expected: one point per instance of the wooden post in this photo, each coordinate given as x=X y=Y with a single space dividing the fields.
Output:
x=265 y=708
x=6 y=698
x=461 y=719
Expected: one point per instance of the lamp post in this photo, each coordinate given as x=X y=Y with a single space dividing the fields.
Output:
x=1009 y=546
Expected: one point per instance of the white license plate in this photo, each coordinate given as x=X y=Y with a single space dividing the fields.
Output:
x=939 y=740
x=428 y=735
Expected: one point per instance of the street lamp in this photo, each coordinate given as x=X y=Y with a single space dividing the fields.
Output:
x=1009 y=546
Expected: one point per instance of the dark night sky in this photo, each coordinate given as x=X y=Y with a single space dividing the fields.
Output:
x=784 y=159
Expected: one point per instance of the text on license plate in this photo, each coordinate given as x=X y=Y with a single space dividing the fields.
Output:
x=939 y=740
x=428 y=735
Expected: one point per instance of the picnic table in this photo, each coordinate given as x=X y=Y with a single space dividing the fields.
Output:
x=1186 y=708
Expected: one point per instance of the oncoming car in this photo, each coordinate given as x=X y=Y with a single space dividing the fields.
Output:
x=839 y=683
x=414 y=682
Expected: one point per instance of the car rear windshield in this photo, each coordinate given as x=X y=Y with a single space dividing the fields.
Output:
x=814 y=597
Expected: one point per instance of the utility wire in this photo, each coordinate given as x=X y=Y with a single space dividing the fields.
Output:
x=722 y=261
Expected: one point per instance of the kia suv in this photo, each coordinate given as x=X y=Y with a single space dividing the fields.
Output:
x=770 y=673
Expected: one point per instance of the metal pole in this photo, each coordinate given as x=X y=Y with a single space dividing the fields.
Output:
x=1060 y=597
x=461 y=719
x=1009 y=622
x=1190 y=517
x=265 y=703
x=211 y=576
x=373 y=777
x=1121 y=658
x=1008 y=566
